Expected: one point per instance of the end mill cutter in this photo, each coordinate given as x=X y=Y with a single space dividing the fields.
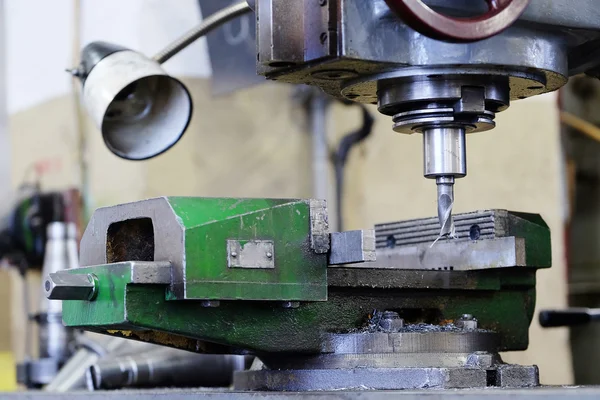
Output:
x=444 y=159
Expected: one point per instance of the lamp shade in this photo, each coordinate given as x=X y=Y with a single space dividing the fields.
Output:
x=140 y=110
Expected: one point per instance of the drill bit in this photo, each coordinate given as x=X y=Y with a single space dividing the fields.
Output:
x=445 y=200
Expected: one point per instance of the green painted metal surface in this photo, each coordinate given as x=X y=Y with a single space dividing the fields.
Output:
x=109 y=303
x=502 y=300
x=299 y=273
x=193 y=233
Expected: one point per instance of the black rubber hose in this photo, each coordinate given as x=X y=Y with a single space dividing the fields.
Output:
x=340 y=157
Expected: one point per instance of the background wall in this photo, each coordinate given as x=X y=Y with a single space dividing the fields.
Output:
x=253 y=143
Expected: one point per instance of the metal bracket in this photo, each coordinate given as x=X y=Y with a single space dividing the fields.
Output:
x=254 y=254
x=502 y=252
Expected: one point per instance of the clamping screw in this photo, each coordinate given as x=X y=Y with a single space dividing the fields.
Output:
x=67 y=286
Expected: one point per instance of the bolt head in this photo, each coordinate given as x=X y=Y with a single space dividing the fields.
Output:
x=67 y=286
x=290 y=304
x=467 y=322
x=323 y=37
x=390 y=315
x=269 y=254
x=390 y=322
x=233 y=254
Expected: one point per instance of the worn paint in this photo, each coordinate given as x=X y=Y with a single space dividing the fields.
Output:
x=299 y=273
x=266 y=327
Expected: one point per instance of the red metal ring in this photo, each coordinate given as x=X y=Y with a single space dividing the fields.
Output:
x=500 y=15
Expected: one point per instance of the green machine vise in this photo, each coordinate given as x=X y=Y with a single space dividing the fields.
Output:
x=219 y=249
x=265 y=276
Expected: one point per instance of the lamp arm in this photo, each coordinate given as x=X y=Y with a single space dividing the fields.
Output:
x=208 y=24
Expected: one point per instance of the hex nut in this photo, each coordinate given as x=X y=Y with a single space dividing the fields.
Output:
x=467 y=322
x=390 y=322
x=69 y=286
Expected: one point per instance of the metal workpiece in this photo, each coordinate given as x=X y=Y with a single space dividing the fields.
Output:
x=414 y=237
x=164 y=367
x=482 y=240
x=281 y=245
x=352 y=247
x=484 y=254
